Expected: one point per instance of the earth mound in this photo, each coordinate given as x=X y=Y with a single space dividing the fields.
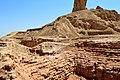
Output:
x=75 y=25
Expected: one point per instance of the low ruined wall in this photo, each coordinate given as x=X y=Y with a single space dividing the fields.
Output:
x=97 y=73
x=29 y=43
x=17 y=48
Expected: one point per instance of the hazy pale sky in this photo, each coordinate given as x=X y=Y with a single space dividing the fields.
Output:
x=18 y=15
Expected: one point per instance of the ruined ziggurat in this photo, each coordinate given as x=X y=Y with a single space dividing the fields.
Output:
x=82 y=45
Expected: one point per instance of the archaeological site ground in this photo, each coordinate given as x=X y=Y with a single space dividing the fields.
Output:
x=82 y=45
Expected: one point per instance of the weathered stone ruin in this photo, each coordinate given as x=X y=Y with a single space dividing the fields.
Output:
x=79 y=5
x=83 y=45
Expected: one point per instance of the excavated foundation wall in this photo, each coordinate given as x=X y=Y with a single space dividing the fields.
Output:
x=102 y=62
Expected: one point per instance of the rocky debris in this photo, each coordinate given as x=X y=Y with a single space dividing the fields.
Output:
x=6 y=68
x=106 y=48
x=89 y=23
x=2 y=44
x=99 y=73
x=80 y=60
x=98 y=7
x=107 y=15
x=40 y=52
x=31 y=65
x=79 y=5
x=48 y=48
x=75 y=77
x=29 y=43
x=34 y=42
x=37 y=50
x=103 y=61
x=108 y=45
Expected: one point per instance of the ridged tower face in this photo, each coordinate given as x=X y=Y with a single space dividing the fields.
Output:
x=79 y=5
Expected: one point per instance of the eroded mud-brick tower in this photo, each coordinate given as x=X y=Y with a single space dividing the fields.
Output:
x=79 y=5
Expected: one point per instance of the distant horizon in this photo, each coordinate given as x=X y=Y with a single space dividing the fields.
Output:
x=21 y=15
